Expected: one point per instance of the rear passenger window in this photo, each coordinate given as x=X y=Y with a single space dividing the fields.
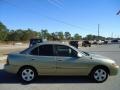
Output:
x=43 y=50
x=46 y=50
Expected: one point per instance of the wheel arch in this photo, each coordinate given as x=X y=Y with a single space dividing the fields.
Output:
x=100 y=66
x=27 y=66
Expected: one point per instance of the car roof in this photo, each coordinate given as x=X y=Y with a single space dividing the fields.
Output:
x=51 y=42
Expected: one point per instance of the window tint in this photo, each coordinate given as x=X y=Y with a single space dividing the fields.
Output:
x=35 y=51
x=62 y=50
x=46 y=50
x=43 y=50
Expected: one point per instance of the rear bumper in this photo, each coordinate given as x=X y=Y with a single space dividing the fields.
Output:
x=11 y=68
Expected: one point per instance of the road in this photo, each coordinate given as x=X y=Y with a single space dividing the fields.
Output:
x=10 y=81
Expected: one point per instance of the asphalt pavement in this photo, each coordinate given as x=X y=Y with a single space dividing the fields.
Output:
x=10 y=82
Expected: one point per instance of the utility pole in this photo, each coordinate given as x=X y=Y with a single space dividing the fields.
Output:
x=112 y=35
x=98 y=31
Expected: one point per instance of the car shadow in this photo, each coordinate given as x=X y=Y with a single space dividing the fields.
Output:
x=9 y=78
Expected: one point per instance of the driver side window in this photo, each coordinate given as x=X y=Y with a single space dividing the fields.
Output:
x=62 y=50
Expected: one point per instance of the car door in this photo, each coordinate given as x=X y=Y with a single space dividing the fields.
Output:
x=43 y=59
x=68 y=63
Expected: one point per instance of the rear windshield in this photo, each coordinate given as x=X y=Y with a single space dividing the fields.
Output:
x=24 y=51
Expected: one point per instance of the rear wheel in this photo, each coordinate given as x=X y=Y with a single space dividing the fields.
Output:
x=99 y=75
x=27 y=74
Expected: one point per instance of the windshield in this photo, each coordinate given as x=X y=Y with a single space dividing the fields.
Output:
x=85 y=53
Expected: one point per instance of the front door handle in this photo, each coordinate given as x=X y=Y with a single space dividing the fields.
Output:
x=33 y=59
x=60 y=60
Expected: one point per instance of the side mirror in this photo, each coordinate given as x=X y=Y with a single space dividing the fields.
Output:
x=79 y=55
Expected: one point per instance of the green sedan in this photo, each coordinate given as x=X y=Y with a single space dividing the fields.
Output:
x=51 y=58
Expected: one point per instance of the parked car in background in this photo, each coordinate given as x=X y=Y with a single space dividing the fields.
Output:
x=35 y=41
x=94 y=42
x=105 y=42
x=50 y=58
x=86 y=43
x=100 y=42
x=74 y=43
x=115 y=41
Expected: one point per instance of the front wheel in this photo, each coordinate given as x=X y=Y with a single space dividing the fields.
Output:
x=99 y=75
x=27 y=74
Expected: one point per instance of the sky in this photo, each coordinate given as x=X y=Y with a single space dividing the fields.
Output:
x=74 y=16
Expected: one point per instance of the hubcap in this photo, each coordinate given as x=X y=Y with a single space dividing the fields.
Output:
x=28 y=74
x=100 y=75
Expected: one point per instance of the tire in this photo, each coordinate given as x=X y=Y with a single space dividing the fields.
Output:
x=99 y=75
x=27 y=74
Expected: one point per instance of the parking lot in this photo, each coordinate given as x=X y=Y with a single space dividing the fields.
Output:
x=10 y=82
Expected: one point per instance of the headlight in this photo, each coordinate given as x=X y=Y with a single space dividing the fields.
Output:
x=115 y=65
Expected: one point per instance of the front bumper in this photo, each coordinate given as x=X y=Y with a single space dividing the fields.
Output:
x=114 y=70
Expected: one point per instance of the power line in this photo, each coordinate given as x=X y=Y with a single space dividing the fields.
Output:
x=48 y=17
x=118 y=13
x=59 y=2
x=56 y=3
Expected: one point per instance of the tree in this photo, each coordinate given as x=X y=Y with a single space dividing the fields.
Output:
x=28 y=34
x=39 y=35
x=60 y=35
x=10 y=36
x=3 y=31
x=77 y=37
x=94 y=37
x=21 y=35
x=15 y=35
x=25 y=35
x=54 y=36
x=2 y=27
x=44 y=33
x=67 y=36
x=90 y=37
